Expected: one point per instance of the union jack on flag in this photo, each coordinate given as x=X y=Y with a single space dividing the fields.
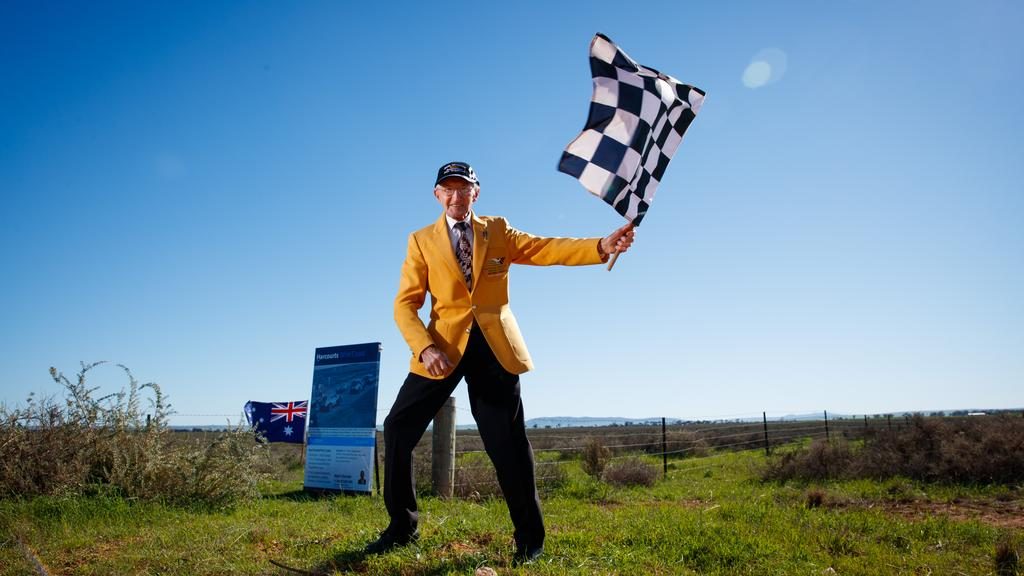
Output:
x=288 y=411
x=278 y=421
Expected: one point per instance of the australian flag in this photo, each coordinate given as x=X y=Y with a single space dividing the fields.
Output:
x=278 y=421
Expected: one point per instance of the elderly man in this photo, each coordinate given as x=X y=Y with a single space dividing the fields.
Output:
x=463 y=261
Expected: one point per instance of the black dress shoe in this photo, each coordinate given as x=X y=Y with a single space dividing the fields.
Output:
x=389 y=541
x=527 y=555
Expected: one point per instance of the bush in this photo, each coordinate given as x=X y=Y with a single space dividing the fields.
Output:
x=816 y=498
x=822 y=460
x=595 y=456
x=983 y=450
x=475 y=477
x=87 y=444
x=551 y=476
x=1007 y=560
x=631 y=471
x=422 y=472
x=686 y=442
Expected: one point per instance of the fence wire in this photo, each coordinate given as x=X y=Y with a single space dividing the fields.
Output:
x=676 y=443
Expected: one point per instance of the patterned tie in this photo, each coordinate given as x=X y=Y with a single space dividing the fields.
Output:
x=464 y=253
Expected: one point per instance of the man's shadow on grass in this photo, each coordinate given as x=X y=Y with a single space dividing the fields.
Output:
x=299 y=496
x=355 y=561
x=310 y=495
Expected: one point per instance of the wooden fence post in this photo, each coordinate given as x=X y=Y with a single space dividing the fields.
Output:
x=443 y=454
x=828 y=438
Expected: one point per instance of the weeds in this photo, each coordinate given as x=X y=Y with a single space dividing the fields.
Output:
x=551 y=476
x=1007 y=559
x=595 y=456
x=816 y=498
x=108 y=444
x=839 y=542
x=630 y=471
x=983 y=450
x=822 y=460
x=475 y=478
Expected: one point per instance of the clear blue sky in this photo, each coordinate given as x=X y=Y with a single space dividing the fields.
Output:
x=207 y=191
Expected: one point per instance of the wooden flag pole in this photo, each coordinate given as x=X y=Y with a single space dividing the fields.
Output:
x=612 y=261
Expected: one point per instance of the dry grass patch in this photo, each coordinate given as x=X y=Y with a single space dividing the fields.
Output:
x=972 y=450
x=84 y=444
x=630 y=471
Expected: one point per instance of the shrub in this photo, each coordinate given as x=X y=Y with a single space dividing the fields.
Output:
x=551 y=476
x=822 y=460
x=838 y=542
x=983 y=450
x=686 y=442
x=816 y=498
x=422 y=473
x=108 y=444
x=1007 y=559
x=595 y=456
x=630 y=471
x=475 y=477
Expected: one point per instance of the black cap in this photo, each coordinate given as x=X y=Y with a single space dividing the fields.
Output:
x=457 y=170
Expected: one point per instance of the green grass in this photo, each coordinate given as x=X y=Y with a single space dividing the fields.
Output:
x=712 y=516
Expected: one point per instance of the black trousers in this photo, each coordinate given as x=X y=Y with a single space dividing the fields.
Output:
x=498 y=410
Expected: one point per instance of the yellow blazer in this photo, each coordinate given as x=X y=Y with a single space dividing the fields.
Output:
x=430 y=266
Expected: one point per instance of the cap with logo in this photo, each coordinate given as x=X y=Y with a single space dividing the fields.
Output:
x=457 y=170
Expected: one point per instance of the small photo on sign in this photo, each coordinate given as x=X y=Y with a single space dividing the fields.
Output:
x=345 y=396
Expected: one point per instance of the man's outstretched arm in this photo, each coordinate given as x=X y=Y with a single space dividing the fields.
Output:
x=541 y=251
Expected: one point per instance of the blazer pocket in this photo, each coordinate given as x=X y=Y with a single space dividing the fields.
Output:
x=495 y=268
x=514 y=337
x=496 y=261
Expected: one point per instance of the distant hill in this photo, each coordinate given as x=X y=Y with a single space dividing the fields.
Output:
x=595 y=421
x=199 y=428
x=587 y=421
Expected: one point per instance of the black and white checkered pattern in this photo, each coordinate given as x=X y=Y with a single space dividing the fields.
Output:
x=637 y=119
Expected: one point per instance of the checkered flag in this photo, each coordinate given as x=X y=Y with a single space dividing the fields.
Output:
x=637 y=119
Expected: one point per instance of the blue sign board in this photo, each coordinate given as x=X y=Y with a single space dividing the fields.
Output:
x=341 y=439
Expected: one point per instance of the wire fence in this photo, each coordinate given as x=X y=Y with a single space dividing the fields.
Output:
x=682 y=447
x=676 y=445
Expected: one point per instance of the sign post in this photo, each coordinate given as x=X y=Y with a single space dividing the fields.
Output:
x=341 y=441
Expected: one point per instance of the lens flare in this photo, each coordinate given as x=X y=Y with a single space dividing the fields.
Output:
x=766 y=67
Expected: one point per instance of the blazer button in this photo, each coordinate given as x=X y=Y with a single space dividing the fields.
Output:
x=468 y=330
